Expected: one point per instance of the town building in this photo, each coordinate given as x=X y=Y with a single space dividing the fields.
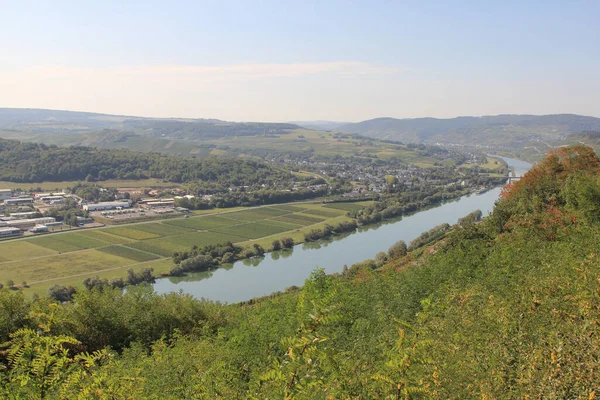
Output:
x=23 y=215
x=161 y=203
x=111 y=205
x=39 y=229
x=5 y=194
x=25 y=224
x=9 y=232
x=18 y=200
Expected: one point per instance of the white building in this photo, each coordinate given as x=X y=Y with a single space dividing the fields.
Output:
x=23 y=215
x=17 y=201
x=8 y=232
x=25 y=224
x=112 y=205
x=5 y=194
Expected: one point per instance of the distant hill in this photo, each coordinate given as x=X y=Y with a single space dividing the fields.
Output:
x=320 y=125
x=498 y=130
x=38 y=121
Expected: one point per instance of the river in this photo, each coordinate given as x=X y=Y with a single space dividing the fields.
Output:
x=275 y=271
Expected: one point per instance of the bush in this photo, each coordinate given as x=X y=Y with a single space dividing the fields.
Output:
x=61 y=293
x=276 y=245
x=287 y=242
x=397 y=250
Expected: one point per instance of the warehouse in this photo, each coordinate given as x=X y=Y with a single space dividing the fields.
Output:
x=24 y=215
x=5 y=194
x=24 y=224
x=19 y=200
x=161 y=203
x=112 y=205
x=8 y=232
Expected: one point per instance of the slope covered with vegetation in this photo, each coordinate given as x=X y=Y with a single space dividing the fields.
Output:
x=498 y=130
x=31 y=162
x=505 y=308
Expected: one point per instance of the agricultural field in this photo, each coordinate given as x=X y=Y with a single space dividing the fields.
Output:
x=129 y=253
x=66 y=242
x=345 y=206
x=70 y=257
x=202 y=224
x=252 y=231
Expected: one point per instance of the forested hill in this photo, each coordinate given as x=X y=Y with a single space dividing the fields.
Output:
x=505 y=308
x=31 y=162
x=507 y=130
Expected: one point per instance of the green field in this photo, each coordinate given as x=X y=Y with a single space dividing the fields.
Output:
x=132 y=233
x=203 y=223
x=252 y=231
x=345 y=206
x=60 y=265
x=105 y=237
x=160 y=229
x=69 y=257
x=129 y=253
x=21 y=249
x=66 y=242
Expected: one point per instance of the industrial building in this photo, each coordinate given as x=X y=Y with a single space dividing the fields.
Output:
x=8 y=232
x=18 y=200
x=51 y=198
x=23 y=215
x=5 y=194
x=25 y=224
x=161 y=203
x=112 y=205
x=40 y=196
x=39 y=229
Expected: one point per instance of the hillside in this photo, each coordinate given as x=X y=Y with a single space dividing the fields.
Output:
x=31 y=162
x=43 y=122
x=505 y=308
x=501 y=130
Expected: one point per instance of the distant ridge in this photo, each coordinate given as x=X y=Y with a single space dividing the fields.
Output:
x=495 y=130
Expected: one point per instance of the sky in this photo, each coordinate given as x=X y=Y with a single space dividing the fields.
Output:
x=292 y=60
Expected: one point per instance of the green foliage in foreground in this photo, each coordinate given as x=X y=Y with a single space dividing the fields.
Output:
x=507 y=308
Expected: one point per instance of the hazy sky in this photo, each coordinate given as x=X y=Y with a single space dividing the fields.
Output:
x=301 y=60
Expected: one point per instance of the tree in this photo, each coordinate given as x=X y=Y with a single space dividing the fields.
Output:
x=276 y=245
x=287 y=242
x=397 y=250
x=61 y=293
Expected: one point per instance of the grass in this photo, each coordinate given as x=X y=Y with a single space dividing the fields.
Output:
x=60 y=265
x=129 y=253
x=160 y=247
x=105 y=237
x=18 y=250
x=203 y=238
x=344 y=206
x=324 y=213
x=252 y=231
x=66 y=242
x=159 y=266
x=160 y=229
x=202 y=223
x=301 y=219
x=254 y=215
x=290 y=208
x=132 y=233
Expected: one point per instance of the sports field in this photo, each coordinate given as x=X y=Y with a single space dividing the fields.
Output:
x=70 y=257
